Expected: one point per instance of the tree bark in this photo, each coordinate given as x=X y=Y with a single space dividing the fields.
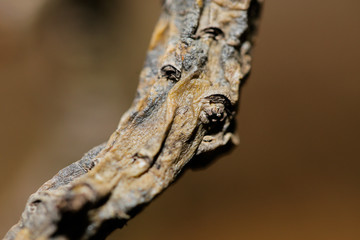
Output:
x=187 y=98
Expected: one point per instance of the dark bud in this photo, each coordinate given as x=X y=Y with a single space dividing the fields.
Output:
x=213 y=32
x=171 y=73
x=220 y=98
x=215 y=111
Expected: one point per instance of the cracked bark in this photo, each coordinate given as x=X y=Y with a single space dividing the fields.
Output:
x=186 y=101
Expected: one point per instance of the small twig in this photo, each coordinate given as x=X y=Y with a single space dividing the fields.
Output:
x=185 y=105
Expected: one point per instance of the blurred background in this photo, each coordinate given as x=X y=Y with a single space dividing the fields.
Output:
x=69 y=70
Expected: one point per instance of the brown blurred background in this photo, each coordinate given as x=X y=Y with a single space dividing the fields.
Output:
x=69 y=69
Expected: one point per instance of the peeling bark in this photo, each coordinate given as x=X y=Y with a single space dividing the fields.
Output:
x=186 y=102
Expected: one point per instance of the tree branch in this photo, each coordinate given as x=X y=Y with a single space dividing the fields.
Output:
x=185 y=106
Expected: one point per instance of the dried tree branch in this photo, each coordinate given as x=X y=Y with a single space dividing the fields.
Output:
x=185 y=106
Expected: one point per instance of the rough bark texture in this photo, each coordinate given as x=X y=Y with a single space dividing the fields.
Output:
x=185 y=106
